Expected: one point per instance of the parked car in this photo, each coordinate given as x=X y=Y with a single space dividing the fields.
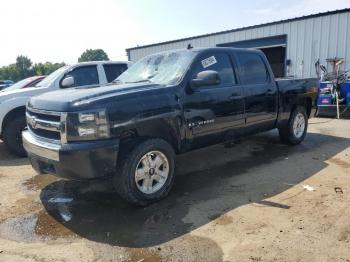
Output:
x=13 y=102
x=5 y=83
x=165 y=104
x=28 y=82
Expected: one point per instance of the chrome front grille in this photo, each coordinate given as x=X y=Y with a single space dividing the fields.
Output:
x=47 y=124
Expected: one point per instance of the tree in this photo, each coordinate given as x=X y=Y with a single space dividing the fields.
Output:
x=46 y=68
x=24 y=68
x=9 y=72
x=21 y=69
x=93 y=55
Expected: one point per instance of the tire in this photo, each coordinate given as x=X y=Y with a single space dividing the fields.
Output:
x=12 y=136
x=137 y=168
x=295 y=131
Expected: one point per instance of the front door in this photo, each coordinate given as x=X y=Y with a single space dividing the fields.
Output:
x=210 y=111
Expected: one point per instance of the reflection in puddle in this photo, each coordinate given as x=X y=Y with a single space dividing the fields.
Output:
x=60 y=200
x=64 y=212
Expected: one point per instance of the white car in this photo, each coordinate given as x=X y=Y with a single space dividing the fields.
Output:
x=13 y=103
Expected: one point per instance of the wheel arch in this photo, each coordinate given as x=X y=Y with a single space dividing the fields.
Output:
x=165 y=129
x=289 y=104
x=16 y=112
x=305 y=102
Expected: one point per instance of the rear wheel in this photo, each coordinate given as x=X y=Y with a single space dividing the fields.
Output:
x=295 y=131
x=13 y=136
x=145 y=172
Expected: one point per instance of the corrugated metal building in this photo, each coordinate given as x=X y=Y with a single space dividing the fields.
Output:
x=292 y=46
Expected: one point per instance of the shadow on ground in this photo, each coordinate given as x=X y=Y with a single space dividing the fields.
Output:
x=210 y=182
x=8 y=159
x=331 y=112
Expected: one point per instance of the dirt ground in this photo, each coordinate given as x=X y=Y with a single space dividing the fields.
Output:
x=257 y=200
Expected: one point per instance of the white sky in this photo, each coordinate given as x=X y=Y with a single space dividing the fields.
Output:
x=59 y=31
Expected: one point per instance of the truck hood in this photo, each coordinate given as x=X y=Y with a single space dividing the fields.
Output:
x=75 y=99
x=25 y=92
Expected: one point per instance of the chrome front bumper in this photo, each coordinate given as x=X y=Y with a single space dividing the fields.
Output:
x=40 y=147
x=80 y=160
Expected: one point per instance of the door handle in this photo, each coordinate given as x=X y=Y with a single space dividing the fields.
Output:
x=234 y=96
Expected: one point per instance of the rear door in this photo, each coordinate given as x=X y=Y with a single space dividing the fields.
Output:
x=212 y=110
x=259 y=88
x=112 y=71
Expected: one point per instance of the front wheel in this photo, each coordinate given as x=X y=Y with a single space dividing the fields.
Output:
x=13 y=136
x=145 y=172
x=295 y=131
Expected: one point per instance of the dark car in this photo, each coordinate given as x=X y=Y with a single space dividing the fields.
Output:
x=5 y=83
x=165 y=104
x=28 y=82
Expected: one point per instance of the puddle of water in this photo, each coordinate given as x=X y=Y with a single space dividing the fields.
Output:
x=48 y=226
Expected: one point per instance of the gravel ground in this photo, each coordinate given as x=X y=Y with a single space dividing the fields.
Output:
x=256 y=200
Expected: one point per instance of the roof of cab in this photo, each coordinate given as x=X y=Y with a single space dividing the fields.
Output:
x=205 y=49
x=102 y=62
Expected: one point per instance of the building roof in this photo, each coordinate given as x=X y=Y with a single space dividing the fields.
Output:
x=247 y=27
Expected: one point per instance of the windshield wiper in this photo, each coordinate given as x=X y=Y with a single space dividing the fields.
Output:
x=140 y=81
x=117 y=81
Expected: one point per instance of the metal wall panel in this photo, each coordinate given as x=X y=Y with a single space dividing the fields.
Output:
x=308 y=40
x=347 y=44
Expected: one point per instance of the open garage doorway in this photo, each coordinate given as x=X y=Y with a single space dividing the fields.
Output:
x=276 y=57
x=273 y=47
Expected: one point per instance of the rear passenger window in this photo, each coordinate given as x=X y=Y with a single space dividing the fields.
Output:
x=219 y=62
x=252 y=69
x=86 y=75
x=113 y=71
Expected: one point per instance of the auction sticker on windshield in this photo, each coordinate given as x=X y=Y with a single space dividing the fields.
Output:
x=209 y=61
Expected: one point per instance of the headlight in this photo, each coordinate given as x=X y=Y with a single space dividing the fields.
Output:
x=88 y=126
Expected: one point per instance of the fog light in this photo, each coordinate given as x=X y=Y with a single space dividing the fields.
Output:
x=86 y=131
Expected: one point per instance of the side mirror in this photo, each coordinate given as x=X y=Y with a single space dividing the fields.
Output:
x=67 y=82
x=206 y=78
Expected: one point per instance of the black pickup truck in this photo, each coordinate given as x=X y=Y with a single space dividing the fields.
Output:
x=165 y=104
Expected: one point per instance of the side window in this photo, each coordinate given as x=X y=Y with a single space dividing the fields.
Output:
x=219 y=62
x=85 y=75
x=113 y=71
x=252 y=69
x=35 y=82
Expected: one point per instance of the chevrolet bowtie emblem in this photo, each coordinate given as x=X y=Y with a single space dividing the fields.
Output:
x=33 y=122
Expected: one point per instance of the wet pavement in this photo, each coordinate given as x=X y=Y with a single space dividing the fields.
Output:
x=212 y=185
